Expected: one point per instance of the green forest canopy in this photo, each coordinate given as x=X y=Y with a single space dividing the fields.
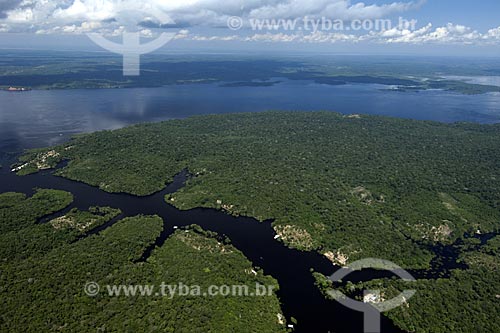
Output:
x=44 y=268
x=359 y=185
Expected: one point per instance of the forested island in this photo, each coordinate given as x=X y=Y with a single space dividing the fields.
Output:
x=45 y=266
x=349 y=187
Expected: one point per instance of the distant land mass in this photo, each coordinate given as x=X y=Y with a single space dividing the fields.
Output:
x=64 y=70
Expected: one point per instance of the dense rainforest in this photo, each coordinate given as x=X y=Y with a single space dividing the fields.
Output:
x=45 y=266
x=350 y=187
x=466 y=301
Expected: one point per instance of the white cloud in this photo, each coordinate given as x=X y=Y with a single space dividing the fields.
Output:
x=215 y=38
x=270 y=37
x=493 y=34
x=449 y=34
x=316 y=37
x=46 y=13
x=338 y=9
x=91 y=10
x=84 y=27
x=113 y=17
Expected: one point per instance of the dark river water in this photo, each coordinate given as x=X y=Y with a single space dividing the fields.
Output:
x=43 y=118
x=299 y=296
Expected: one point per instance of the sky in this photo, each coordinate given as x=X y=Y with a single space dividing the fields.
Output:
x=442 y=27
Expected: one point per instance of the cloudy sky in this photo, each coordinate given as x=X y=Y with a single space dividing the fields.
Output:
x=465 y=25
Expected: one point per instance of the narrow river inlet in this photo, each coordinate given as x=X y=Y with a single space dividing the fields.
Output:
x=299 y=296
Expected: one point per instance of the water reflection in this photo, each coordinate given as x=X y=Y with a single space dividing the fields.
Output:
x=42 y=118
